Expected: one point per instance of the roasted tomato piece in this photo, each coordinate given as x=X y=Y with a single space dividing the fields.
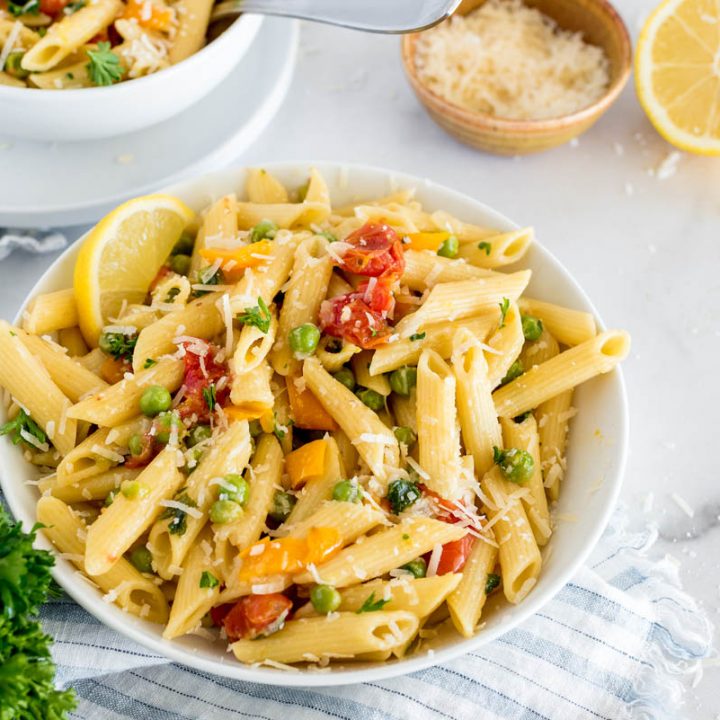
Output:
x=219 y=613
x=376 y=251
x=378 y=296
x=351 y=318
x=150 y=448
x=256 y=616
x=52 y=7
x=455 y=555
x=202 y=376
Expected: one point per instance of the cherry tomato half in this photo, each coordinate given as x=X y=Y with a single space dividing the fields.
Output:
x=257 y=615
x=351 y=318
x=377 y=251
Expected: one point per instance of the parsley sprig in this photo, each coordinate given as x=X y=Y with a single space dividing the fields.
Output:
x=22 y=421
x=259 y=316
x=177 y=517
x=208 y=580
x=104 y=67
x=371 y=604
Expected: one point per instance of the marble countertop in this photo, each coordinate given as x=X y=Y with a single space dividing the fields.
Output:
x=637 y=225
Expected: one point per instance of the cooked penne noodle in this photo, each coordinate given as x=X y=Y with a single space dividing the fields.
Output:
x=73 y=341
x=29 y=383
x=524 y=436
x=373 y=439
x=425 y=269
x=504 y=345
x=132 y=591
x=518 y=553
x=360 y=364
x=476 y=410
x=349 y=634
x=437 y=424
x=94 y=487
x=127 y=518
x=570 y=368
x=569 y=327
x=263 y=187
x=497 y=250
x=193 y=19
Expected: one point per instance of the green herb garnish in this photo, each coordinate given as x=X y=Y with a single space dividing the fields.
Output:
x=118 y=345
x=104 y=67
x=208 y=580
x=486 y=246
x=372 y=605
x=178 y=517
x=492 y=582
x=504 y=307
x=418 y=336
x=22 y=422
x=31 y=7
x=259 y=316
x=149 y=362
x=208 y=394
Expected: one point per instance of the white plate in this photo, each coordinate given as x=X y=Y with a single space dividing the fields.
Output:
x=54 y=184
x=596 y=456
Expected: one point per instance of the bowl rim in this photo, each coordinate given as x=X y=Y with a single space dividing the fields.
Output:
x=245 y=22
x=502 y=124
x=66 y=575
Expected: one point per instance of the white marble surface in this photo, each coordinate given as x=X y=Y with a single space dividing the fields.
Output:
x=646 y=249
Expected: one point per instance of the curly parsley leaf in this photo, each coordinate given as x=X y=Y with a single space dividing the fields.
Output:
x=372 y=605
x=119 y=345
x=259 y=316
x=22 y=422
x=104 y=67
x=27 y=672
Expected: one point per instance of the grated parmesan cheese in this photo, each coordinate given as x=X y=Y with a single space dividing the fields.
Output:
x=511 y=61
x=175 y=505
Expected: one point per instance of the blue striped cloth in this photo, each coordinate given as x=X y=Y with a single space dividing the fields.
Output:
x=609 y=646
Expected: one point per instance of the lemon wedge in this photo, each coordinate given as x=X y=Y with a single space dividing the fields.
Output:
x=121 y=256
x=677 y=73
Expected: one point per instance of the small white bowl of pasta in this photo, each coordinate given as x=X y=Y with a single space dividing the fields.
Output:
x=459 y=619
x=77 y=86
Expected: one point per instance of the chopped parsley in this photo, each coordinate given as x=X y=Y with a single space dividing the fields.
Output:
x=259 y=316
x=149 y=362
x=372 y=605
x=405 y=536
x=104 y=67
x=279 y=430
x=31 y=7
x=118 y=345
x=492 y=582
x=514 y=371
x=208 y=580
x=504 y=307
x=208 y=394
x=22 y=422
x=206 y=276
x=178 y=518
x=486 y=246
x=418 y=336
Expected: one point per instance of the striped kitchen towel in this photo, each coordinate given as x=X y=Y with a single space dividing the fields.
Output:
x=611 y=646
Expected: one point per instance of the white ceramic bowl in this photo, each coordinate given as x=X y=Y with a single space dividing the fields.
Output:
x=593 y=456
x=90 y=113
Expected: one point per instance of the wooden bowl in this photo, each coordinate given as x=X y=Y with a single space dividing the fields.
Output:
x=600 y=25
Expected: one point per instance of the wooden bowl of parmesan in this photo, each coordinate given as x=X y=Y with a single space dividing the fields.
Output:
x=514 y=77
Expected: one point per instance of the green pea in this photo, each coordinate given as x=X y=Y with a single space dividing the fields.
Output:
x=405 y=435
x=255 y=428
x=403 y=380
x=132 y=489
x=240 y=494
x=532 y=327
x=346 y=491
x=225 y=511
x=418 y=567
x=374 y=400
x=325 y=599
x=304 y=340
x=184 y=246
x=449 y=248
x=141 y=558
x=514 y=371
x=136 y=445
x=180 y=264
x=264 y=229
x=154 y=400
x=346 y=377
x=13 y=65
x=282 y=506
x=164 y=424
x=515 y=464
x=198 y=434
